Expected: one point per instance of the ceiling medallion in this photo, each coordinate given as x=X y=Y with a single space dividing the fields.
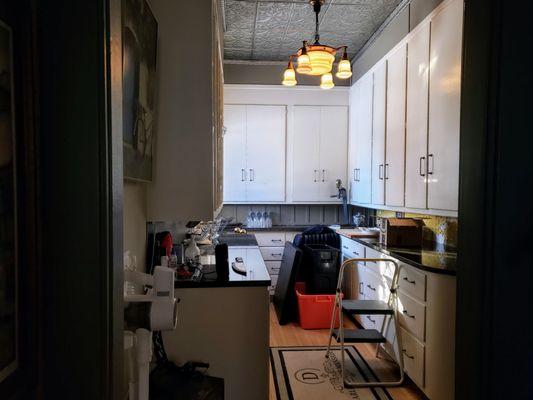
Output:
x=317 y=59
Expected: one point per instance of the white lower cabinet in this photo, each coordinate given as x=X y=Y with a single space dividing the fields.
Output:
x=272 y=245
x=426 y=316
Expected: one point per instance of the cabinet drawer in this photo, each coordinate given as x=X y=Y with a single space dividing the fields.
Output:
x=273 y=267
x=413 y=357
x=385 y=269
x=270 y=239
x=412 y=315
x=272 y=253
x=351 y=248
x=413 y=282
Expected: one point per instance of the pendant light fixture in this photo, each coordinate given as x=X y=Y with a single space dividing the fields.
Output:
x=317 y=59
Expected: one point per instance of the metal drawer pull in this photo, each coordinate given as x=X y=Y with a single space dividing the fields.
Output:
x=422 y=159
x=243 y=175
x=345 y=247
x=356 y=253
x=386 y=171
x=316 y=179
x=430 y=156
x=381 y=171
x=408 y=281
x=276 y=240
x=370 y=319
x=407 y=354
x=323 y=175
x=371 y=288
x=252 y=175
x=276 y=254
x=407 y=314
x=361 y=288
x=355 y=174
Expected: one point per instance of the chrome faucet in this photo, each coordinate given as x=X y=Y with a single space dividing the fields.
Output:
x=342 y=195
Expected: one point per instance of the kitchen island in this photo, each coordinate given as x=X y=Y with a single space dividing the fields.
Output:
x=226 y=324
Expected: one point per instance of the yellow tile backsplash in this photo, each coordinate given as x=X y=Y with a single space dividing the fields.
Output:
x=434 y=226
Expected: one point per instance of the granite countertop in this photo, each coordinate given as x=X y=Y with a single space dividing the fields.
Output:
x=244 y=246
x=430 y=257
x=277 y=228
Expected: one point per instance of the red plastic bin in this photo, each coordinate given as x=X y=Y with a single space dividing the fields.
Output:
x=314 y=310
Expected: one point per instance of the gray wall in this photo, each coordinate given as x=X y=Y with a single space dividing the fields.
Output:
x=260 y=74
x=182 y=187
x=397 y=29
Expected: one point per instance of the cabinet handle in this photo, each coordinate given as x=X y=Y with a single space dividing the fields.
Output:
x=345 y=247
x=381 y=171
x=430 y=156
x=252 y=175
x=407 y=354
x=370 y=319
x=316 y=178
x=404 y=312
x=408 y=281
x=360 y=287
x=420 y=164
x=356 y=253
x=276 y=254
x=276 y=240
x=371 y=288
x=323 y=175
x=355 y=174
x=386 y=171
x=243 y=174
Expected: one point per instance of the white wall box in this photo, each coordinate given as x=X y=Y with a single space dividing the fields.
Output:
x=254 y=153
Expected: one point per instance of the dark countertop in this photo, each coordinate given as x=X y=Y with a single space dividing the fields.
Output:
x=429 y=258
x=278 y=228
x=256 y=276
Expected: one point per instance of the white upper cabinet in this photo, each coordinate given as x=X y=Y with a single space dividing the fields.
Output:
x=417 y=117
x=361 y=134
x=444 y=107
x=395 y=141
x=319 y=154
x=378 y=133
x=352 y=142
x=305 y=154
x=333 y=150
x=235 y=153
x=254 y=153
x=265 y=153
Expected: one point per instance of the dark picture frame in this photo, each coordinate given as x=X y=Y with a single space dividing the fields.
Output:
x=139 y=36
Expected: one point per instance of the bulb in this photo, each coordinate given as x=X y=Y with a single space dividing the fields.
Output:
x=304 y=64
x=344 y=69
x=289 y=77
x=326 y=82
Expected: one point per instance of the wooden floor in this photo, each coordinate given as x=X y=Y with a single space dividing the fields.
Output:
x=292 y=335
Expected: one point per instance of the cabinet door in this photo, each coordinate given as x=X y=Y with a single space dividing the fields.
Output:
x=333 y=150
x=395 y=141
x=265 y=153
x=363 y=136
x=235 y=153
x=352 y=141
x=417 y=118
x=444 y=107
x=305 y=154
x=378 y=134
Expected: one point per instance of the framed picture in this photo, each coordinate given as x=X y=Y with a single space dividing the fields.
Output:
x=139 y=40
x=9 y=346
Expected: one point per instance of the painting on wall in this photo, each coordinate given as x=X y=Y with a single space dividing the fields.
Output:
x=139 y=78
x=8 y=244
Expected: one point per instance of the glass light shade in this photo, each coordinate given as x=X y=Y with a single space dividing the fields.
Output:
x=289 y=77
x=344 y=69
x=326 y=82
x=321 y=61
x=304 y=64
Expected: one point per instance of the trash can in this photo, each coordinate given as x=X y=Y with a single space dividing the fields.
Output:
x=322 y=268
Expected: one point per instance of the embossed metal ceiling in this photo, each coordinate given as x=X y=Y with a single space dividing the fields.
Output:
x=273 y=29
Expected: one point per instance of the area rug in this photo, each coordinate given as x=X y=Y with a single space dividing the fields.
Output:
x=300 y=373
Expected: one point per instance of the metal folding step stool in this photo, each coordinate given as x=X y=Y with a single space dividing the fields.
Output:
x=388 y=309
